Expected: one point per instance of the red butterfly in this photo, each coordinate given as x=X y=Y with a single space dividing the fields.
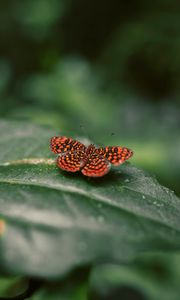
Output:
x=91 y=161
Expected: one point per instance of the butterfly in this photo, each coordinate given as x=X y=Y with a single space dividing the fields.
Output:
x=73 y=156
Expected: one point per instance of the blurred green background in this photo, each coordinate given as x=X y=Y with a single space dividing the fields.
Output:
x=108 y=70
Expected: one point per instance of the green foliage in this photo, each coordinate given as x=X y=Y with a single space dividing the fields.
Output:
x=57 y=69
x=11 y=286
x=144 y=55
x=151 y=277
x=110 y=71
x=52 y=222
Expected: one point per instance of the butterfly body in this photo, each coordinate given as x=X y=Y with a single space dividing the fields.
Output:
x=73 y=156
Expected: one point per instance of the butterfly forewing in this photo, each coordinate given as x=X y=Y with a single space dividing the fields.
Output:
x=115 y=155
x=62 y=144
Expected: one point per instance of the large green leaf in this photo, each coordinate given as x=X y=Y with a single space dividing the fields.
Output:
x=52 y=221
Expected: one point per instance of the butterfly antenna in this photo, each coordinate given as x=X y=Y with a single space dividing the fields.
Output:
x=109 y=134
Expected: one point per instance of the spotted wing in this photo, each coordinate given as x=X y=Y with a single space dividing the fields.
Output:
x=62 y=144
x=96 y=166
x=71 y=161
x=115 y=155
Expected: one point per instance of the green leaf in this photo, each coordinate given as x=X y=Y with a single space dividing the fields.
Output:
x=152 y=277
x=73 y=287
x=56 y=291
x=52 y=221
x=12 y=286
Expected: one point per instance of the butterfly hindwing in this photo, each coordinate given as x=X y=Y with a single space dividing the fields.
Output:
x=115 y=155
x=96 y=166
x=71 y=161
x=62 y=144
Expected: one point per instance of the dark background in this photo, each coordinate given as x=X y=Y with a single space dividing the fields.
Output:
x=109 y=70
